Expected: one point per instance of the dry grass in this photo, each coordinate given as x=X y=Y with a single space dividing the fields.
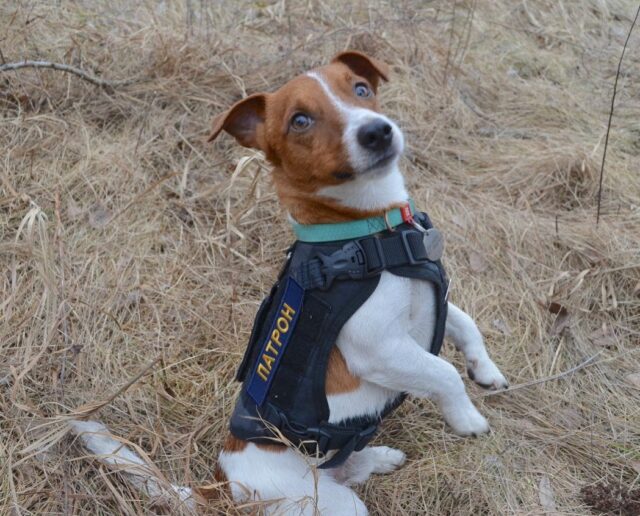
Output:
x=125 y=239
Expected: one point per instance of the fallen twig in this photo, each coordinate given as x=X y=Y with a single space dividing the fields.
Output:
x=586 y=363
x=97 y=81
x=64 y=306
x=90 y=408
x=135 y=466
x=140 y=196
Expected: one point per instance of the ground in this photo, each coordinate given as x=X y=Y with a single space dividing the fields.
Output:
x=129 y=247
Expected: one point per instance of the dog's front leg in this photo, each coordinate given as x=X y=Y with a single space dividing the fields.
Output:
x=466 y=337
x=400 y=364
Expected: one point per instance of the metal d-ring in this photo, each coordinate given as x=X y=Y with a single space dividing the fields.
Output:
x=386 y=221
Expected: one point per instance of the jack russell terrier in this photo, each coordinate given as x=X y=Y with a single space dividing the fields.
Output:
x=358 y=314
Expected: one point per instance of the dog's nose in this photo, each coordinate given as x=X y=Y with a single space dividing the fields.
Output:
x=376 y=135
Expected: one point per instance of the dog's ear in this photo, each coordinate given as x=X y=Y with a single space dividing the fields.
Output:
x=364 y=66
x=244 y=121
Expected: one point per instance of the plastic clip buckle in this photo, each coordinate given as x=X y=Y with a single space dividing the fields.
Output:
x=347 y=262
x=321 y=437
x=365 y=436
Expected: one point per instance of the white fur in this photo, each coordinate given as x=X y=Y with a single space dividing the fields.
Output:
x=467 y=338
x=369 y=193
x=372 y=188
x=373 y=459
x=370 y=399
x=288 y=483
x=385 y=344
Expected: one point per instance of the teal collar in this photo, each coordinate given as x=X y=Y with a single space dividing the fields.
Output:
x=349 y=230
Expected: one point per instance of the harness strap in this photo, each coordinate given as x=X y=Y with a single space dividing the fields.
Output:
x=345 y=437
x=360 y=439
x=363 y=258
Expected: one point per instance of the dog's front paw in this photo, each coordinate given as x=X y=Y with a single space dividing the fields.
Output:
x=467 y=421
x=486 y=374
x=386 y=459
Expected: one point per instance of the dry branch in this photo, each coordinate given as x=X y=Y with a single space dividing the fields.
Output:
x=588 y=362
x=133 y=464
x=97 y=81
x=91 y=408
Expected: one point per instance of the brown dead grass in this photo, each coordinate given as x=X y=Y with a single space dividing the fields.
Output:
x=124 y=238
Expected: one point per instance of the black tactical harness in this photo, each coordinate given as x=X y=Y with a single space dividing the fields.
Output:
x=284 y=367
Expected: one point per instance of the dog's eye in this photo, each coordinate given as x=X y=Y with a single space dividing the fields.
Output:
x=362 y=90
x=300 y=122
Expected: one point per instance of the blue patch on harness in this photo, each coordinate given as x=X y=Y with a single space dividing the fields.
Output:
x=276 y=342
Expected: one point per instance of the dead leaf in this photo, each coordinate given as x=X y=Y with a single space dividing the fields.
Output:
x=501 y=326
x=561 y=322
x=633 y=379
x=579 y=280
x=545 y=495
x=99 y=216
x=459 y=221
x=556 y=308
x=477 y=262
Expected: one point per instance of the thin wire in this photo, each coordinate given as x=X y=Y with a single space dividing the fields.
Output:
x=613 y=99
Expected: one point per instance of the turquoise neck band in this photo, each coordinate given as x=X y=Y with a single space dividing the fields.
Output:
x=349 y=230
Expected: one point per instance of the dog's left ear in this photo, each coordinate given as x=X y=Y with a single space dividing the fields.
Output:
x=364 y=66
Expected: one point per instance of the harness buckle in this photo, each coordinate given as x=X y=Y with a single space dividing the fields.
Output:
x=321 y=438
x=304 y=434
x=382 y=264
x=350 y=262
x=407 y=248
x=363 y=438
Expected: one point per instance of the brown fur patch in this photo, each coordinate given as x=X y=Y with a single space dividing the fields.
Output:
x=233 y=444
x=215 y=491
x=306 y=161
x=339 y=379
x=273 y=448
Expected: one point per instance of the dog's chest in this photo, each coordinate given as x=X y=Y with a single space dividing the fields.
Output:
x=398 y=306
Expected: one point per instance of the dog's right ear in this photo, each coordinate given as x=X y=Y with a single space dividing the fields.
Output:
x=244 y=121
x=365 y=66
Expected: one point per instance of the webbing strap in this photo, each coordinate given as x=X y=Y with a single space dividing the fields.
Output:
x=345 y=438
x=363 y=258
x=352 y=229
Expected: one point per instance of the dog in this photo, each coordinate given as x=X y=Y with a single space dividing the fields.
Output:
x=335 y=160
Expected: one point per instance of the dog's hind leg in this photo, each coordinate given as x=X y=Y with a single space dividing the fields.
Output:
x=283 y=482
x=372 y=459
x=466 y=337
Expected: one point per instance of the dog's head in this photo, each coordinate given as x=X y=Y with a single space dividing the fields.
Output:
x=322 y=131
